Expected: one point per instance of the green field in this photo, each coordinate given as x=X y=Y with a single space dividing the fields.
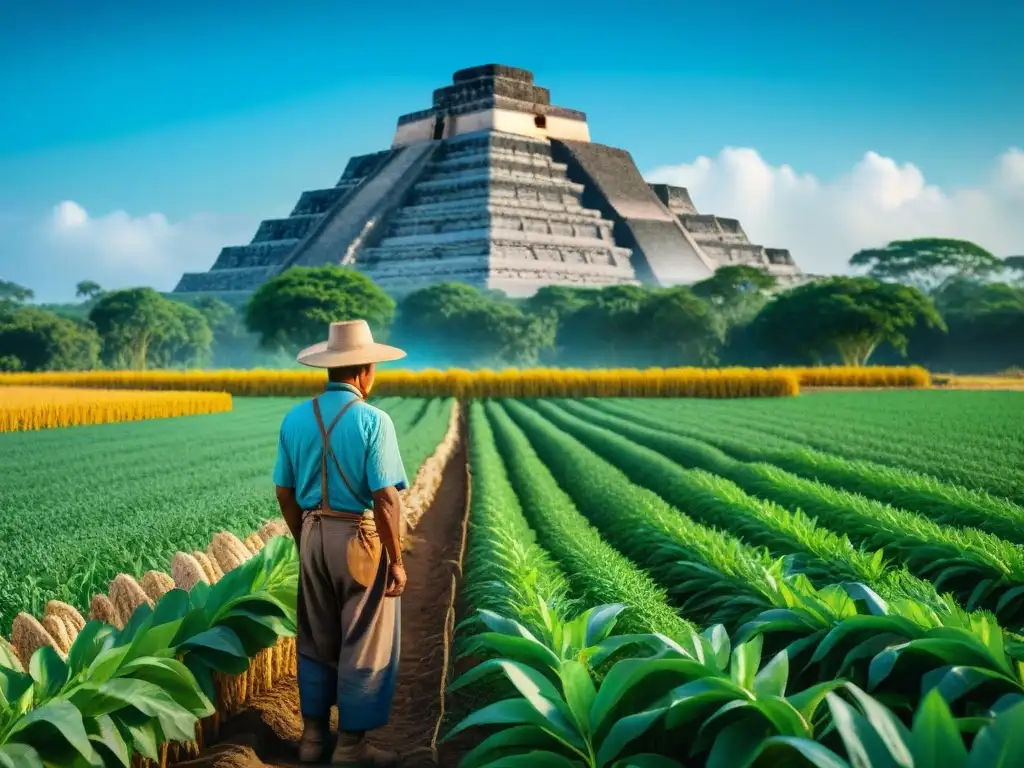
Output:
x=81 y=505
x=773 y=552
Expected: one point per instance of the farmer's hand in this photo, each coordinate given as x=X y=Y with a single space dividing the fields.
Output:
x=396 y=580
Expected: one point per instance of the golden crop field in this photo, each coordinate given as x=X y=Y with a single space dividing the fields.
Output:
x=41 y=407
x=874 y=376
x=537 y=382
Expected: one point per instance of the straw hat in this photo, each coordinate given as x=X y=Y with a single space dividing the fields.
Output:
x=348 y=343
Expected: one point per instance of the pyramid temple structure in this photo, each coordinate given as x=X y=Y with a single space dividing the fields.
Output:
x=495 y=187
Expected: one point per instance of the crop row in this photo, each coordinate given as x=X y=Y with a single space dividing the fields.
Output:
x=573 y=705
x=922 y=432
x=943 y=502
x=981 y=569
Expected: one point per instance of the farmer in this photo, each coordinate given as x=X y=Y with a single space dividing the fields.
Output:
x=337 y=459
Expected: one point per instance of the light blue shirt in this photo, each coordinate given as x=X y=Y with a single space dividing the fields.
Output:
x=364 y=441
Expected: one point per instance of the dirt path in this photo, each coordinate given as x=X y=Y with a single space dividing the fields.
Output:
x=266 y=734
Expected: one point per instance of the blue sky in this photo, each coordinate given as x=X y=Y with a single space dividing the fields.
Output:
x=232 y=109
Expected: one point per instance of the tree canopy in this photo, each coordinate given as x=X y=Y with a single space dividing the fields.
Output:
x=33 y=339
x=294 y=309
x=141 y=328
x=927 y=262
x=850 y=315
x=453 y=324
x=13 y=295
x=87 y=289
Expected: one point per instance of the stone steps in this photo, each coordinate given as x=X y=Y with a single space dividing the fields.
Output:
x=239 y=279
x=253 y=255
x=507 y=218
x=291 y=228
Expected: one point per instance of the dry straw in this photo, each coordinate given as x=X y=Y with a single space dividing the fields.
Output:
x=156 y=584
x=68 y=613
x=102 y=609
x=28 y=635
x=31 y=407
x=538 y=382
x=187 y=572
x=209 y=566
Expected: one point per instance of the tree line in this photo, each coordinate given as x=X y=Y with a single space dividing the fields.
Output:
x=946 y=304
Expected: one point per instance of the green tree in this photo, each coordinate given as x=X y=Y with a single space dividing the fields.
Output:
x=13 y=295
x=927 y=262
x=1014 y=265
x=294 y=309
x=608 y=331
x=558 y=301
x=33 y=339
x=141 y=328
x=453 y=324
x=681 y=329
x=188 y=345
x=737 y=291
x=850 y=315
x=88 y=290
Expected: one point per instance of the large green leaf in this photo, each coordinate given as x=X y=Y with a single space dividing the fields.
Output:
x=746 y=658
x=176 y=722
x=16 y=689
x=640 y=680
x=864 y=624
x=806 y=702
x=654 y=642
x=1001 y=743
x=49 y=671
x=219 y=648
x=816 y=754
x=864 y=746
x=689 y=702
x=956 y=681
x=529 y=652
x=773 y=677
x=736 y=745
x=54 y=725
x=521 y=738
x=173 y=677
x=162 y=626
x=535 y=759
x=718 y=638
x=504 y=626
x=625 y=730
x=8 y=658
x=936 y=738
x=19 y=756
x=534 y=687
x=87 y=646
x=580 y=693
x=890 y=730
x=522 y=712
x=600 y=622
x=108 y=741
x=647 y=760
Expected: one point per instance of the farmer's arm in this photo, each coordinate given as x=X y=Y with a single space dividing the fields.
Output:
x=385 y=473
x=284 y=482
x=387 y=513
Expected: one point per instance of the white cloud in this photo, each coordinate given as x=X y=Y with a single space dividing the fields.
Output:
x=823 y=223
x=51 y=253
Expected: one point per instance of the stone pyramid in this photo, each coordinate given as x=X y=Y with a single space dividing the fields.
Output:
x=495 y=187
